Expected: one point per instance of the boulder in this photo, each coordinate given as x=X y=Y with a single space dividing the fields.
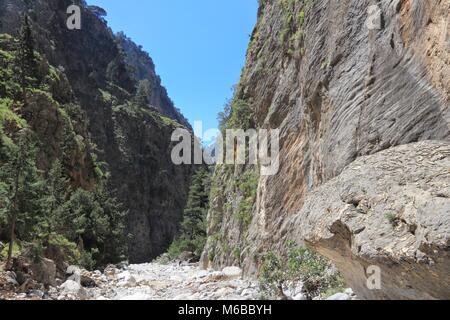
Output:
x=110 y=271
x=300 y=297
x=232 y=272
x=385 y=223
x=339 y=296
x=44 y=272
x=87 y=281
x=137 y=297
x=186 y=256
x=126 y=280
x=74 y=273
x=10 y=278
x=71 y=287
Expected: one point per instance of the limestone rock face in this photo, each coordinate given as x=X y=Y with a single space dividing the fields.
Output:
x=134 y=143
x=44 y=272
x=338 y=88
x=390 y=210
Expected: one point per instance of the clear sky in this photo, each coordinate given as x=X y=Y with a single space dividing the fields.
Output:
x=198 y=46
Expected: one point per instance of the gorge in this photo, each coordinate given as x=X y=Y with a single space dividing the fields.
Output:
x=360 y=98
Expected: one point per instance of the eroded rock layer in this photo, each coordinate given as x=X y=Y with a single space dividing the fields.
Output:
x=340 y=81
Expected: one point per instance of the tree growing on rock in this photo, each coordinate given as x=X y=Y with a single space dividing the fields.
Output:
x=24 y=188
x=142 y=94
x=192 y=236
x=26 y=58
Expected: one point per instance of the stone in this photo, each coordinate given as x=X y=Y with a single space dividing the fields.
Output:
x=247 y=292
x=87 y=281
x=202 y=274
x=348 y=93
x=405 y=258
x=36 y=293
x=71 y=287
x=44 y=272
x=126 y=279
x=339 y=296
x=137 y=297
x=186 y=256
x=232 y=272
x=74 y=273
x=349 y=291
x=10 y=278
x=299 y=297
x=223 y=292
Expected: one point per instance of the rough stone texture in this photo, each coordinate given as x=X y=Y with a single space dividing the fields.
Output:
x=337 y=91
x=44 y=272
x=144 y=68
x=134 y=144
x=391 y=210
x=150 y=186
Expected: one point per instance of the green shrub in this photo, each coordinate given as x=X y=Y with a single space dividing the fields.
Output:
x=392 y=218
x=192 y=236
x=316 y=273
x=17 y=249
x=247 y=186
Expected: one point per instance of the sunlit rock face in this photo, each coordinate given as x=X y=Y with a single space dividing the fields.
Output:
x=342 y=81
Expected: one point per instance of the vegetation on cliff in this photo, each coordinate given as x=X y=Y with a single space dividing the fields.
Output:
x=53 y=202
x=192 y=237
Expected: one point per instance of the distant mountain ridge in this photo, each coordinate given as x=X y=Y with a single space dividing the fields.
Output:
x=143 y=68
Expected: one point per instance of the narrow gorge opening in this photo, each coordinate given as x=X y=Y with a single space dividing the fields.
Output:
x=125 y=176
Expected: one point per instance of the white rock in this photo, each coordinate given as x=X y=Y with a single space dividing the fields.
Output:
x=124 y=275
x=75 y=274
x=349 y=292
x=339 y=296
x=71 y=287
x=232 y=272
x=247 y=292
x=73 y=269
x=222 y=292
x=183 y=296
x=299 y=297
x=137 y=297
x=202 y=274
x=130 y=282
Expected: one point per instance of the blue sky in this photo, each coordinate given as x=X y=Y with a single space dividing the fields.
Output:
x=198 y=46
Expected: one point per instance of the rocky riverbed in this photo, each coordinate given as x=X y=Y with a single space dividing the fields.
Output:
x=151 y=281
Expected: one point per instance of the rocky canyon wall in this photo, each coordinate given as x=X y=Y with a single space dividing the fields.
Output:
x=132 y=142
x=346 y=85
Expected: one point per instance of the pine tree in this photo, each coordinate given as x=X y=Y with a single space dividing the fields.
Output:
x=25 y=187
x=54 y=198
x=192 y=236
x=94 y=219
x=142 y=94
x=26 y=59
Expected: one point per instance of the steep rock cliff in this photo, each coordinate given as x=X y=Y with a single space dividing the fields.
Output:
x=133 y=143
x=340 y=83
x=143 y=68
